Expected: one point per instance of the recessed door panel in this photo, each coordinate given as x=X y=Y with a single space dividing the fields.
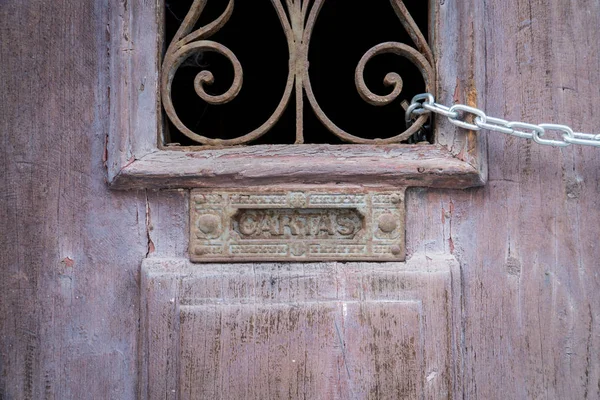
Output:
x=295 y=331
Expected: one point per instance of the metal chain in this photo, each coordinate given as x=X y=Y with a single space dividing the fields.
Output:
x=458 y=113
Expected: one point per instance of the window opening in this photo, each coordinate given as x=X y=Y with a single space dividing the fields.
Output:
x=226 y=71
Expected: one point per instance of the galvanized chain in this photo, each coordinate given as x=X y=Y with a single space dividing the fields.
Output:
x=458 y=113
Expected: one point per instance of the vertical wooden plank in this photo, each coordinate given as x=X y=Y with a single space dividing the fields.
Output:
x=70 y=248
x=167 y=218
x=524 y=241
x=132 y=81
x=458 y=44
x=159 y=355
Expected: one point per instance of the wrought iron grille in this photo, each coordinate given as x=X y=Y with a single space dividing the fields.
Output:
x=297 y=60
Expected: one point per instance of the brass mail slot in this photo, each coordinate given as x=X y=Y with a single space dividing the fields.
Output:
x=351 y=224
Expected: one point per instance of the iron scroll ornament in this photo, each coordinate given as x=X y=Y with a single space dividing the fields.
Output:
x=292 y=14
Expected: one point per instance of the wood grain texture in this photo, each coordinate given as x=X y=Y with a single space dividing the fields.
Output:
x=132 y=43
x=294 y=331
x=527 y=243
x=71 y=248
x=391 y=166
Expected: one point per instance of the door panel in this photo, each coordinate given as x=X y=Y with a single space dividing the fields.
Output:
x=319 y=350
x=318 y=331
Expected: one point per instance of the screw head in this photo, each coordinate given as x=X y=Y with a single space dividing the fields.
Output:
x=396 y=250
x=208 y=223
x=387 y=223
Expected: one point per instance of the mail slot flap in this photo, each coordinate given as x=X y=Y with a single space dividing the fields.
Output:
x=351 y=224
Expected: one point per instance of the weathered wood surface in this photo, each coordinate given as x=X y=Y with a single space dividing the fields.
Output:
x=295 y=331
x=527 y=242
x=71 y=248
x=392 y=166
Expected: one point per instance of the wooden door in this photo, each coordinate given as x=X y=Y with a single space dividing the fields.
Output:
x=498 y=299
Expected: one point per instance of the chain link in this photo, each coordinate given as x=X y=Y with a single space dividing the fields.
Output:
x=458 y=115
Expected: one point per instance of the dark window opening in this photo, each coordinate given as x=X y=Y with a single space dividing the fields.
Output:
x=343 y=33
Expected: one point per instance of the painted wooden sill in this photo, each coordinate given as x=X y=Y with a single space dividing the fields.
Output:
x=389 y=165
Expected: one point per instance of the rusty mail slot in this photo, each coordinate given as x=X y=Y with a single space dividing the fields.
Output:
x=296 y=225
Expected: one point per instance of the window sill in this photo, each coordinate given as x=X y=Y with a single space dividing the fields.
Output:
x=391 y=165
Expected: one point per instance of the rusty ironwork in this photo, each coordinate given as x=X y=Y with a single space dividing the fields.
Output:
x=297 y=225
x=298 y=18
